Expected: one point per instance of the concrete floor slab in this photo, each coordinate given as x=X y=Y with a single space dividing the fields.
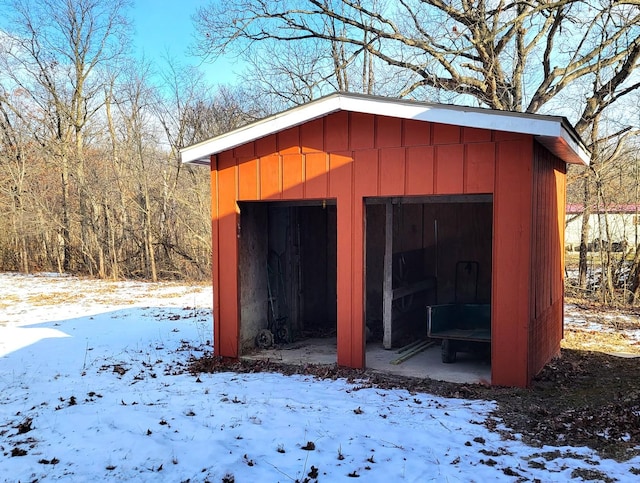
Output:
x=468 y=368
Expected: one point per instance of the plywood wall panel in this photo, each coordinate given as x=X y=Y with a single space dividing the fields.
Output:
x=340 y=174
x=361 y=131
x=228 y=286
x=479 y=171
x=475 y=135
x=392 y=172
x=289 y=141
x=449 y=169
x=244 y=151
x=547 y=259
x=416 y=133
x=215 y=253
x=341 y=188
x=446 y=134
x=248 y=179
x=419 y=170
x=336 y=132
x=266 y=146
x=388 y=132
x=225 y=159
x=227 y=184
x=292 y=176
x=270 y=177
x=316 y=177
x=366 y=174
x=366 y=182
x=509 y=136
x=312 y=136
x=227 y=257
x=512 y=209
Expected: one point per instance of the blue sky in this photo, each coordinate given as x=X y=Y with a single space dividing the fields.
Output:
x=164 y=27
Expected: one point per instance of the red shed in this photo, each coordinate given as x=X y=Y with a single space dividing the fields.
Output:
x=351 y=214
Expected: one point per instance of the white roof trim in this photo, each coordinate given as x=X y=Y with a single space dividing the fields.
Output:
x=552 y=131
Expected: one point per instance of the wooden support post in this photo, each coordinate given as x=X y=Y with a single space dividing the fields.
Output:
x=387 y=283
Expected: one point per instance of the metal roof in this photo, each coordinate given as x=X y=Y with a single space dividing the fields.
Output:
x=554 y=132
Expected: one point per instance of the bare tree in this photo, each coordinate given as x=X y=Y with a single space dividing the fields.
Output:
x=90 y=179
x=139 y=137
x=189 y=111
x=55 y=51
x=295 y=72
x=633 y=163
x=579 y=59
x=13 y=178
x=513 y=56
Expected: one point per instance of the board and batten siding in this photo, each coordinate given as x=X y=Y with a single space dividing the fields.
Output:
x=348 y=156
x=547 y=260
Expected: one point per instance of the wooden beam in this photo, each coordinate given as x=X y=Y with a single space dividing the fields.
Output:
x=423 y=200
x=415 y=350
x=387 y=282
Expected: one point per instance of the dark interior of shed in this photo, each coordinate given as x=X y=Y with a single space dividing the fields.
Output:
x=441 y=251
x=287 y=265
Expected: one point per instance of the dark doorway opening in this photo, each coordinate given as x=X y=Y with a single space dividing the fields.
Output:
x=287 y=264
x=420 y=252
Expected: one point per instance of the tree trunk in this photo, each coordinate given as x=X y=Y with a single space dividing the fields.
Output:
x=148 y=236
x=584 y=243
x=65 y=230
x=634 y=279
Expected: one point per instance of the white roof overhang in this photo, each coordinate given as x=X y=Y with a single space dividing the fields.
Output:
x=554 y=132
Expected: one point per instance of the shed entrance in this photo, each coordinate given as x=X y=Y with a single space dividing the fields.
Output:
x=420 y=252
x=287 y=273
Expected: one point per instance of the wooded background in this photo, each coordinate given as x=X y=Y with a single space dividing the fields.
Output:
x=90 y=180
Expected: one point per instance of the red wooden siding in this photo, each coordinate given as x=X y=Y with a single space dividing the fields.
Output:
x=479 y=170
x=249 y=173
x=292 y=176
x=266 y=145
x=340 y=182
x=545 y=328
x=511 y=263
x=388 y=132
x=474 y=135
x=336 y=134
x=446 y=134
x=215 y=251
x=227 y=257
x=416 y=133
x=349 y=156
x=270 y=177
x=289 y=141
x=449 y=169
x=392 y=171
x=311 y=136
x=316 y=179
x=419 y=170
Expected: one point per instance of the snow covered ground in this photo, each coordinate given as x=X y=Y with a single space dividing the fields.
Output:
x=613 y=322
x=92 y=389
